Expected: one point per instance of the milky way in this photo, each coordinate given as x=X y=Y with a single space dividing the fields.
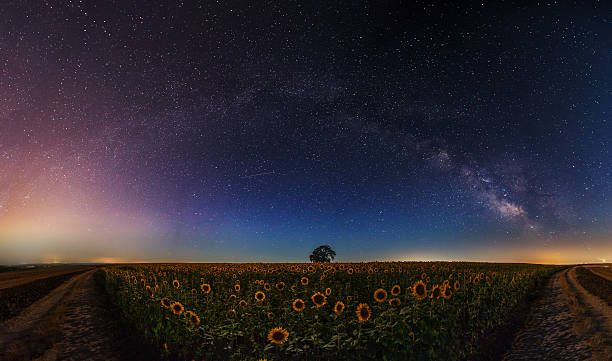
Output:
x=235 y=131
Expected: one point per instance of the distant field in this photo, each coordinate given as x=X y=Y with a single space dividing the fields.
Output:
x=356 y=311
x=604 y=272
x=16 y=277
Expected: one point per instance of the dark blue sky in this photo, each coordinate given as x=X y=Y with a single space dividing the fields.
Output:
x=255 y=131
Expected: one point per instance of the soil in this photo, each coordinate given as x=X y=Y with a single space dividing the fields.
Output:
x=70 y=323
x=566 y=323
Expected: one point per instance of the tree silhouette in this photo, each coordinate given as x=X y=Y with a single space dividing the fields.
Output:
x=322 y=254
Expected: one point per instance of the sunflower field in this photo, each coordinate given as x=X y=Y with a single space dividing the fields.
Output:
x=339 y=311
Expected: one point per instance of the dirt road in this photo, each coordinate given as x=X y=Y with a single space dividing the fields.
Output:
x=567 y=323
x=67 y=324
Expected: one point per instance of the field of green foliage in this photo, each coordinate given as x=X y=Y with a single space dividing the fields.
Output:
x=321 y=311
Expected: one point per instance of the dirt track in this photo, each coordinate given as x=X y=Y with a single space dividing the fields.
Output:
x=67 y=324
x=567 y=323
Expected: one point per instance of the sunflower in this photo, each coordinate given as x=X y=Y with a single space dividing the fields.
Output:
x=232 y=296
x=349 y=298
x=243 y=303
x=270 y=315
x=435 y=292
x=349 y=271
x=278 y=335
x=380 y=295
x=339 y=307
x=205 y=288
x=267 y=287
x=328 y=291
x=299 y=305
x=457 y=285
x=193 y=291
x=188 y=314
x=363 y=312
x=280 y=286
x=194 y=319
x=165 y=302
x=395 y=290
x=176 y=284
x=260 y=296
x=419 y=290
x=447 y=292
x=231 y=313
x=177 y=308
x=395 y=302
x=237 y=287
x=318 y=299
x=304 y=281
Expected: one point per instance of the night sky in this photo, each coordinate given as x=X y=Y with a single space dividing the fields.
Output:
x=256 y=131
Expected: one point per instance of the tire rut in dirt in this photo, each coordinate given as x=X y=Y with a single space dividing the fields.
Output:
x=548 y=334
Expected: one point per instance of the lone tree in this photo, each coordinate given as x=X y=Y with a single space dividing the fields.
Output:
x=322 y=254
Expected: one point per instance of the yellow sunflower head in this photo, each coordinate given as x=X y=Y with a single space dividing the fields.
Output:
x=280 y=286
x=205 y=288
x=165 y=302
x=457 y=285
x=328 y=291
x=318 y=299
x=338 y=307
x=270 y=315
x=380 y=295
x=447 y=292
x=435 y=292
x=267 y=287
x=176 y=284
x=194 y=319
x=363 y=312
x=304 y=281
x=299 y=305
x=395 y=290
x=260 y=296
x=278 y=335
x=177 y=308
x=243 y=303
x=395 y=302
x=419 y=290
x=237 y=287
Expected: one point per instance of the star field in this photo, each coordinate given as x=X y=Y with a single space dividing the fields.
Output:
x=255 y=131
